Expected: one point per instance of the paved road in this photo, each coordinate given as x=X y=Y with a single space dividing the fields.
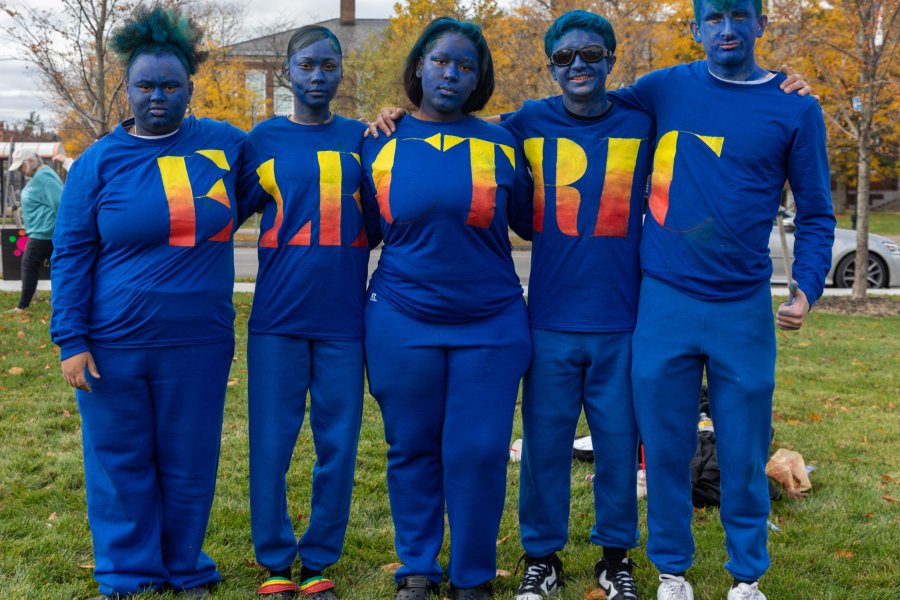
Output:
x=245 y=263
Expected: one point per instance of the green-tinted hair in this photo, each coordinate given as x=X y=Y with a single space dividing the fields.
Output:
x=725 y=5
x=159 y=30
x=580 y=19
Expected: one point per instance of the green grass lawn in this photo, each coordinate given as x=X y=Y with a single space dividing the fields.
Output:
x=882 y=223
x=836 y=403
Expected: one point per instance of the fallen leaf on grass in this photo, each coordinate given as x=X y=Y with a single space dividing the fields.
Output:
x=502 y=573
x=53 y=516
x=16 y=370
x=815 y=417
x=870 y=515
x=391 y=567
x=597 y=594
x=66 y=413
x=793 y=422
x=887 y=477
x=232 y=382
x=843 y=554
x=890 y=499
x=21 y=334
x=502 y=540
x=86 y=566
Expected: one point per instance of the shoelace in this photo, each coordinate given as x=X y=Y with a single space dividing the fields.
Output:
x=747 y=592
x=535 y=573
x=676 y=587
x=625 y=583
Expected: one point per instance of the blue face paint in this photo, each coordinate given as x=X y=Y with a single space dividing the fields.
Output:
x=728 y=37
x=315 y=73
x=449 y=72
x=583 y=84
x=159 y=90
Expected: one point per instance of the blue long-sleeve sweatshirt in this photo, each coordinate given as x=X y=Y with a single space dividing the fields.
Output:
x=446 y=193
x=723 y=153
x=590 y=177
x=143 y=252
x=313 y=250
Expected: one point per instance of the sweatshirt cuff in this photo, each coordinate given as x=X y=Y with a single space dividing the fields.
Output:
x=72 y=346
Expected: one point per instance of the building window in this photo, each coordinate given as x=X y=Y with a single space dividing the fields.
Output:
x=284 y=101
x=256 y=83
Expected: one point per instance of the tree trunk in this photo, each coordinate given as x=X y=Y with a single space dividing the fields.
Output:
x=861 y=281
x=839 y=198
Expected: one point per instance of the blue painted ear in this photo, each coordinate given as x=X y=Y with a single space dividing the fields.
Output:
x=695 y=30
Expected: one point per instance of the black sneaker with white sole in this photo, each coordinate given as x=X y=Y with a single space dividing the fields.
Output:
x=616 y=579
x=542 y=577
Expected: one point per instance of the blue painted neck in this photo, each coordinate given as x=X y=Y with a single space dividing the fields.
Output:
x=311 y=115
x=748 y=71
x=592 y=107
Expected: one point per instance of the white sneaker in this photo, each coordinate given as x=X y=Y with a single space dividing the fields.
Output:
x=672 y=587
x=746 y=591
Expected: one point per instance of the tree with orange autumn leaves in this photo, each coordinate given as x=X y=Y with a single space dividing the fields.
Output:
x=849 y=48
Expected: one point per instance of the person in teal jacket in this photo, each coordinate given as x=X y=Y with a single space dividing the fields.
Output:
x=40 y=203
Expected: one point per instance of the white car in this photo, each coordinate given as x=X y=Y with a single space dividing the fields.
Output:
x=884 y=257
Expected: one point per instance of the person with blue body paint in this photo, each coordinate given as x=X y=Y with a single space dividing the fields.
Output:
x=143 y=272
x=446 y=326
x=590 y=159
x=306 y=326
x=727 y=139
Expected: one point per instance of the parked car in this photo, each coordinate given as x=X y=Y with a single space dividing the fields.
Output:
x=884 y=257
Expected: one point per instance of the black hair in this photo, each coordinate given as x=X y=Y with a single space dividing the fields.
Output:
x=159 y=30
x=307 y=36
x=484 y=87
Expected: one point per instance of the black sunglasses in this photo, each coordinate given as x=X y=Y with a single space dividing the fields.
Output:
x=591 y=54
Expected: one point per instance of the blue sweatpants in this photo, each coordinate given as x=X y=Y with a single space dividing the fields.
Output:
x=151 y=428
x=570 y=372
x=447 y=394
x=281 y=371
x=676 y=337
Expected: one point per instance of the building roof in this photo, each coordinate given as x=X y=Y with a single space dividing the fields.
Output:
x=352 y=37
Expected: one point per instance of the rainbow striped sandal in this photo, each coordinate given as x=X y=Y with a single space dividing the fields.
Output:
x=318 y=588
x=278 y=587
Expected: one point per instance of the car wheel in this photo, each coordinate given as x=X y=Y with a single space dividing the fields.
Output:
x=845 y=273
